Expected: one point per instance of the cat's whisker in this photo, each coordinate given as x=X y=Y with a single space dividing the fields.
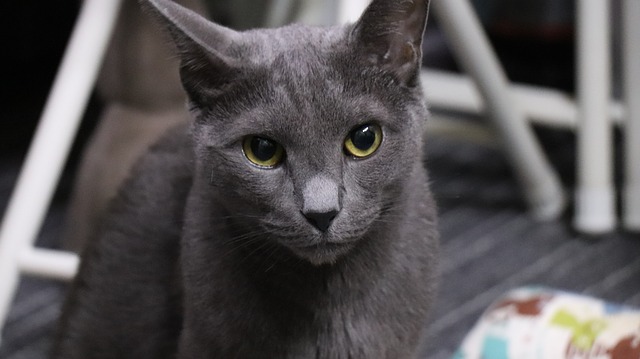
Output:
x=243 y=241
x=261 y=246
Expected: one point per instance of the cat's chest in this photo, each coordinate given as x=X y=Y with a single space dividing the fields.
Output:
x=340 y=324
x=300 y=312
x=333 y=332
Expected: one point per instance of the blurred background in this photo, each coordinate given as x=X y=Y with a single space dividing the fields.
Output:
x=490 y=243
x=533 y=38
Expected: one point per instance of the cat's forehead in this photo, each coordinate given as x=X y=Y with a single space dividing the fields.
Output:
x=301 y=64
x=312 y=84
x=295 y=45
x=305 y=83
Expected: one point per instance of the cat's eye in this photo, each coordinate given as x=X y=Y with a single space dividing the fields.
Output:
x=363 y=141
x=262 y=151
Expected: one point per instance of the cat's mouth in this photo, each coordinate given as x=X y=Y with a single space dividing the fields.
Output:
x=317 y=247
x=323 y=251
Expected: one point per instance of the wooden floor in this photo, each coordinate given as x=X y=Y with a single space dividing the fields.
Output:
x=489 y=245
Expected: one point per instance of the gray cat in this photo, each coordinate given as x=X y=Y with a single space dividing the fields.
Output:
x=291 y=219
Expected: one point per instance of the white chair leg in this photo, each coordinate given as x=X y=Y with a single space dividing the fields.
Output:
x=350 y=10
x=543 y=106
x=49 y=149
x=48 y=263
x=631 y=83
x=595 y=194
x=473 y=51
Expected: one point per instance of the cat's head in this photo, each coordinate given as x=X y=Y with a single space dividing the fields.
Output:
x=305 y=135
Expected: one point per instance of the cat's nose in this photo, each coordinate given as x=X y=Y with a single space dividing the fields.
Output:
x=321 y=220
x=321 y=202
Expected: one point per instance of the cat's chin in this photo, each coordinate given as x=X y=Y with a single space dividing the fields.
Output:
x=323 y=253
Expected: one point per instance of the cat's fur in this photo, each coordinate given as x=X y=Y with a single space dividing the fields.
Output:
x=205 y=255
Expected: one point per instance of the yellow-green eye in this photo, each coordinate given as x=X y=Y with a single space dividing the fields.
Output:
x=262 y=152
x=363 y=141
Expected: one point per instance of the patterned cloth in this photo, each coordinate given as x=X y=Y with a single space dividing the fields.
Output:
x=539 y=323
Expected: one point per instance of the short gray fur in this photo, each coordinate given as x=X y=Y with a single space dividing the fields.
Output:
x=204 y=255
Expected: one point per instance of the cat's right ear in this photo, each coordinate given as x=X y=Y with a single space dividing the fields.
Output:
x=390 y=33
x=207 y=65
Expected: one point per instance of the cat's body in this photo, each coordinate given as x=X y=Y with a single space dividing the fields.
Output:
x=291 y=220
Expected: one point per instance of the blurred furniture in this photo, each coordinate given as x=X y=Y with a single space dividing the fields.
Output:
x=591 y=113
x=631 y=88
x=141 y=95
x=48 y=152
x=472 y=50
x=507 y=104
x=595 y=200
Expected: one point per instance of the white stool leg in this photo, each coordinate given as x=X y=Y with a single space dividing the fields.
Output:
x=51 y=144
x=631 y=83
x=472 y=49
x=595 y=195
x=350 y=10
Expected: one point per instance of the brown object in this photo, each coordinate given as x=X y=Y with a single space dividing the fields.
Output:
x=531 y=307
x=143 y=97
x=627 y=348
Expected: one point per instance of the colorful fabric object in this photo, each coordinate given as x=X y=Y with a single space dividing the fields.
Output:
x=539 y=323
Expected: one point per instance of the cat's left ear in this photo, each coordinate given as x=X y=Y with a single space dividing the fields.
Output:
x=389 y=34
x=208 y=60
